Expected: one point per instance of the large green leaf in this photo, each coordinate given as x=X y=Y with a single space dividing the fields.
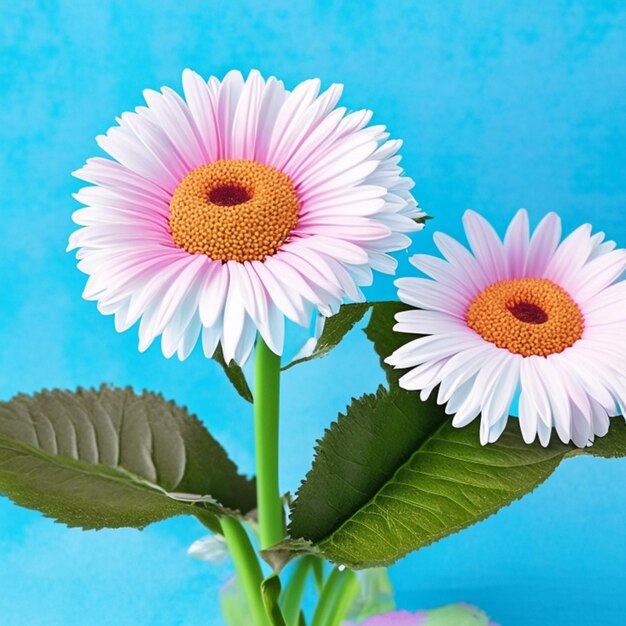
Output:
x=393 y=475
x=335 y=329
x=112 y=458
x=235 y=374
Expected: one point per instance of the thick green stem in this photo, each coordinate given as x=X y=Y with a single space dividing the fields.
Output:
x=266 y=394
x=292 y=595
x=247 y=567
x=338 y=593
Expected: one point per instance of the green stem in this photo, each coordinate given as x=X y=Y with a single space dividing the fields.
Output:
x=247 y=567
x=344 y=599
x=266 y=393
x=318 y=572
x=337 y=595
x=292 y=595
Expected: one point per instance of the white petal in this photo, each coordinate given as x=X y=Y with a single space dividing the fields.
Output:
x=234 y=317
x=427 y=294
x=227 y=101
x=213 y=295
x=246 y=118
x=201 y=106
x=527 y=418
x=542 y=245
x=485 y=244
x=516 y=243
x=432 y=347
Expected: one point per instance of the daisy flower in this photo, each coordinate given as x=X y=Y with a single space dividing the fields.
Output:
x=451 y=615
x=395 y=618
x=224 y=212
x=528 y=315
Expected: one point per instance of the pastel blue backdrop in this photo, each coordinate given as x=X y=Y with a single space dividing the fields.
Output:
x=500 y=104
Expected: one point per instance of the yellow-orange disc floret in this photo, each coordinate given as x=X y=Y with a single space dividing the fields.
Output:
x=527 y=316
x=233 y=210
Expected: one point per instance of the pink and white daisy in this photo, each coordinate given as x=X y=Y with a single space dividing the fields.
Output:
x=528 y=315
x=241 y=205
x=451 y=615
x=394 y=618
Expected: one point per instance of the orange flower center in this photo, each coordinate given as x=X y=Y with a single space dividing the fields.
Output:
x=526 y=316
x=233 y=210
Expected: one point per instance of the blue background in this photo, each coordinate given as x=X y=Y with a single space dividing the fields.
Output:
x=500 y=104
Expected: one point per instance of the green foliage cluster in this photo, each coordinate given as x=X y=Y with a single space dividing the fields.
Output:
x=390 y=476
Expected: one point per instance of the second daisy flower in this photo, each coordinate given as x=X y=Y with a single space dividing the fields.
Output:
x=528 y=315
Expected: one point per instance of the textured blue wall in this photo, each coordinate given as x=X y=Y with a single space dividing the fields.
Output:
x=500 y=104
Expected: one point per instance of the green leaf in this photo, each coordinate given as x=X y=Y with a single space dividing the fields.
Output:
x=235 y=374
x=285 y=551
x=336 y=328
x=270 y=590
x=392 y=475
x=112 y=458
x=379 y=331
